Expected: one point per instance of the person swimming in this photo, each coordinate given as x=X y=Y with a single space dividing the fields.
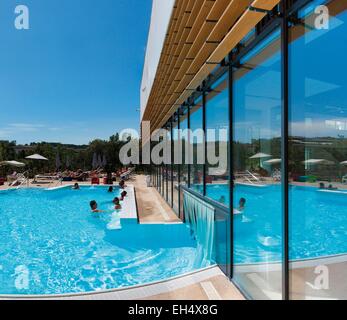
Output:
x=123 y=195
x=94 y=207
x=241 y=208
x=222 y=199
x=322 y=186
x=117 y=204
x=110 y=189
x=76 y=186
x=242 y=204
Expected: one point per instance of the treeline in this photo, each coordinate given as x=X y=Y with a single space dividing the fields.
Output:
x=97 y=153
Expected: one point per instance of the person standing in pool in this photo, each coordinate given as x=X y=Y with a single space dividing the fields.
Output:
x=117 y=204
x=123 y=195
x=110 y=189
x=94 y=207
x=76 y=187
x=242 y=204
x=222 y=199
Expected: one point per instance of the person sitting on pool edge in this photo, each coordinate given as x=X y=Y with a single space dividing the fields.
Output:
x=116 y=203
x=94 y=207
x=110 y=189
x=123 y=195
x=122 y=184
x=76 y=186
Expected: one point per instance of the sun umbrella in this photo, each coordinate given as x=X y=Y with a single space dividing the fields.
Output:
x=319 y=161
x=104 y=161
x=12 y=164
x=57 y=161
x=273 y=161
x=260 y=156
x=36 y=157
x=95 y=161
x=99 y=161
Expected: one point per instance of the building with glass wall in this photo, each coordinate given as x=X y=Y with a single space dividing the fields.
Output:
x=264 y=82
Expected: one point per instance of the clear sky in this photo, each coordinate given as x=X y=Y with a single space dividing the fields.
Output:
x=75 y=75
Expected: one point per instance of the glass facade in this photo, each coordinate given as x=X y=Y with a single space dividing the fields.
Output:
x=177 y=160
x=217 y=141
x=257 y=194
x=197 y=146
x=280 y=99
x=318 y=150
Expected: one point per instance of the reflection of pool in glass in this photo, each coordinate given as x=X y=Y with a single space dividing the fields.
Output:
x=320 y=221
x=51 y=239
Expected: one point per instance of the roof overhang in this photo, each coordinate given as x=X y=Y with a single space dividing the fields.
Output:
x=200 y=35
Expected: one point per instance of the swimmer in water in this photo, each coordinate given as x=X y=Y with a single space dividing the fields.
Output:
x=94 y=207
x=116 y=203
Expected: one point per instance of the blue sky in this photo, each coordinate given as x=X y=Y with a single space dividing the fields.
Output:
x=75 y=75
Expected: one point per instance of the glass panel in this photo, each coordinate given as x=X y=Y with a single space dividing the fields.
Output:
x=318 y=154
x=169 y=170
x=185 y=158
x=256 y=161
x=197 y=146
x=217 y=126
x=176 y=165
x=184 y=142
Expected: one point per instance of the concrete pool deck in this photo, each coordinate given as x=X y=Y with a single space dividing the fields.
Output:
x=152 y=208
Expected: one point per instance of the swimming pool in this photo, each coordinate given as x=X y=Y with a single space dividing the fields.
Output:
x=51 y=244
x=318 y=223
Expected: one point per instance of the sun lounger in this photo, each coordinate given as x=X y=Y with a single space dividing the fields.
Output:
x=45 y=177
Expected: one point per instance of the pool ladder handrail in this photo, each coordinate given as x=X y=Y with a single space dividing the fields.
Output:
x=22 y=179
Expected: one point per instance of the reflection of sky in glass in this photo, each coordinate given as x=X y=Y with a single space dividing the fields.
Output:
x=217 y=110
x=257 y=95
x=196 y=119
x=319 y=102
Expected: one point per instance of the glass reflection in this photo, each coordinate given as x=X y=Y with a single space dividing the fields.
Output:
x=318 y=154
x=256 y=163
x=217 y=135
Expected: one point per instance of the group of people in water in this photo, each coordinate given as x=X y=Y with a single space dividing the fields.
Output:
x=323 y=187
x=116 y=201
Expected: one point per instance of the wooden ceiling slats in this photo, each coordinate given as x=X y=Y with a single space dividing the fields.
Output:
x=202 y=34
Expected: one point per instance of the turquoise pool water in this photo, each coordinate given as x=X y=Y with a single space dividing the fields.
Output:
x=318 y=223
x=51 y=244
